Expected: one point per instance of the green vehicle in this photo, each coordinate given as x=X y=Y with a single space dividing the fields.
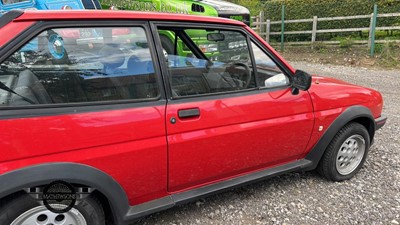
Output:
x=195 y=7
x=216 y=8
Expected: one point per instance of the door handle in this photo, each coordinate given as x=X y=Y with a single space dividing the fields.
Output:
x=188 y=113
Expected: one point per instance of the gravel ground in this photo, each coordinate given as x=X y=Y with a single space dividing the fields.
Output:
x=371 y=197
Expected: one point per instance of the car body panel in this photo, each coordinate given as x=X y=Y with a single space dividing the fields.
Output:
x=323 y=120
x=331 y=97
x=120 y=15
x=11 y=30
x=329 y=93
x=119 y=142
x=236 y=135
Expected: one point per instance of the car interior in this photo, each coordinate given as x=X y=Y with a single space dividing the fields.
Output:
x=108 y=64
x=101 y=72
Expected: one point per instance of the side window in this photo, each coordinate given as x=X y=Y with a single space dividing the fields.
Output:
x=268 y=74
x=204 y=61
x=75 y=65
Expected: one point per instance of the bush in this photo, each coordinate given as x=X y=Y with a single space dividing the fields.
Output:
x=306 y=9
x=346 y=42
x=253 y=5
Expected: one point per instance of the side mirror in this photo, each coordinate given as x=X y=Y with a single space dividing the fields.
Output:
x=278 y=80
x=301 y=80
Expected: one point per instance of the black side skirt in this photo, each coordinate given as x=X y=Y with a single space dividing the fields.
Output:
x=180 y=198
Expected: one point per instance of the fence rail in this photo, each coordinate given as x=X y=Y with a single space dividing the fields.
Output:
x=263 y=27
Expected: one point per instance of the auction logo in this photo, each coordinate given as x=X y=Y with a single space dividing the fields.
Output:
x=59 y=196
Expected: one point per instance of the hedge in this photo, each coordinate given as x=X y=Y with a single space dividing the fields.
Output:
x=304 y=9
x=253 y=5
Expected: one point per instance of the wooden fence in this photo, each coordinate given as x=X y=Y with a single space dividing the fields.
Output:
x=263 y=27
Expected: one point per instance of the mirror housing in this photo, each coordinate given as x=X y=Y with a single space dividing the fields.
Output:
x=301 y=80
x=278 y=80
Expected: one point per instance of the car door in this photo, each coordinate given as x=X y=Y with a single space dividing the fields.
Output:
x=220 y=122
x=88 y=94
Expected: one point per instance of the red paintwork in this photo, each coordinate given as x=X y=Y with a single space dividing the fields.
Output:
x=331 y=97
x=150 y=157
x=10 y=31
x=122 y=15
x=236 y=135
x=329 y=93
x=119 y=142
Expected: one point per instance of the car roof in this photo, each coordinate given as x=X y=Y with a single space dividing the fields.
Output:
x=35 y=15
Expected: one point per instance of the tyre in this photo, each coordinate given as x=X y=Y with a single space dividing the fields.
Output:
x=346 y=153
x=167 y=45
x=21 y=208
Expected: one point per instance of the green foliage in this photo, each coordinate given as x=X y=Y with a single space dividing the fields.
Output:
x=306 y=9
x=320 y=47
x=379 y=48
x=253 y=5
x=346 y=42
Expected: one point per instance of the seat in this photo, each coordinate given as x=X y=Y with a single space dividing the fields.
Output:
x=109 y=86
x=142 y=69
x=29 y=86
x=112 y=58
x=137 y=66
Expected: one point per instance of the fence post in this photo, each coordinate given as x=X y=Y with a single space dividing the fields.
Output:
x=257 y=25
x=283 y=28
x=268 y=30
x=261 y=23
x=314 y=31
x=372 y=31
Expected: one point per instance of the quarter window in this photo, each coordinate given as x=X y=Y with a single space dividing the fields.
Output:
x=75 y=65
x=268 y=75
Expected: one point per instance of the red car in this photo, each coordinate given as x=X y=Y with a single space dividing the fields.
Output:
x=100 y=126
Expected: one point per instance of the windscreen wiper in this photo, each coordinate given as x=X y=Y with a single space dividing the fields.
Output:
x=5 y=88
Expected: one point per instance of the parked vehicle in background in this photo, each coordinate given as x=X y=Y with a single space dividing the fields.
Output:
x=7 y=5
x=219 y=8
x=216 y=8
x=91 y=4
x=99 y=125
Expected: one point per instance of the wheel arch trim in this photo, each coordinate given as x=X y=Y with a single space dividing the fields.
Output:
x=43 y=174
x=353 y=113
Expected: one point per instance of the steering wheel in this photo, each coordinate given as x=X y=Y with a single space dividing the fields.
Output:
x=245 y=75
